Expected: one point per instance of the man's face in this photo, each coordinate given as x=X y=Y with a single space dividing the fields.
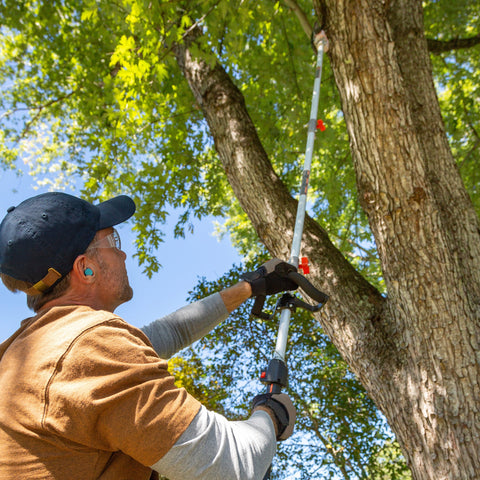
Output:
x=113 y=286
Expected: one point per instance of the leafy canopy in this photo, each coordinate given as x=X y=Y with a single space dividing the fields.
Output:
x=92 y=94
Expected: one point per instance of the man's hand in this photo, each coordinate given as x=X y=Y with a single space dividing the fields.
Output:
x=281 y=410
x=271 y=278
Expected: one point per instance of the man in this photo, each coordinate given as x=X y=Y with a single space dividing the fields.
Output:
x=84 y=394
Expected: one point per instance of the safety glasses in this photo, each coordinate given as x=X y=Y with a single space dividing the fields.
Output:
x=110 y=241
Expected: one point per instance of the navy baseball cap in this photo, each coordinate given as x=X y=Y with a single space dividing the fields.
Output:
x=41 y=237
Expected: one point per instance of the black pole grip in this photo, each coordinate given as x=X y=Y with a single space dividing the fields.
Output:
x=275 y=376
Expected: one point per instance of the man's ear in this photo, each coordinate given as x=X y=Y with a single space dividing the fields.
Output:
x=83 y=270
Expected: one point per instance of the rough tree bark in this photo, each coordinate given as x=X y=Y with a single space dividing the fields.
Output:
x=417 y=350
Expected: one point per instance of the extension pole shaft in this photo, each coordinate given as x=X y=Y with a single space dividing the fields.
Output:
x=321 y=44
x=278 y=363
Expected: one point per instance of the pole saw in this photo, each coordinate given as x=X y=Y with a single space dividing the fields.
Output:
x=276 y=375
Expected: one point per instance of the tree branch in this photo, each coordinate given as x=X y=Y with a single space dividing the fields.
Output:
x=338 y=458
x=302 y=17
x=39 y=109
x=290 y=57
x=439 y=46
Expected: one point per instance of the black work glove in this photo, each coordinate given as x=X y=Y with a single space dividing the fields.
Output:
x=271 y=278
x=283 y=410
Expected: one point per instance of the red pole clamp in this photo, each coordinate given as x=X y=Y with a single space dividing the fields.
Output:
x=320 y=125
x=304 y=266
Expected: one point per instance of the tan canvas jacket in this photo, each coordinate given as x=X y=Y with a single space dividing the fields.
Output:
x=84 y=396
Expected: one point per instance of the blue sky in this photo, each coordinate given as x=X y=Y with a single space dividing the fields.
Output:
x=183 y=260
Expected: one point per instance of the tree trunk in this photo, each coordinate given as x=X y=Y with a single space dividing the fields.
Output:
x=417 y=351
x=425 y=228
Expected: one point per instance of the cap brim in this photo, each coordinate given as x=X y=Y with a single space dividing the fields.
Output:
x=115 y=211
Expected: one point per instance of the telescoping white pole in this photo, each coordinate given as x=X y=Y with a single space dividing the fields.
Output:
x=276 y=375
x=321 y=43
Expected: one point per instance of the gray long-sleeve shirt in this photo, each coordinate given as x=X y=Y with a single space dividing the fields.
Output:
x=211 y=447
x=188 y=324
